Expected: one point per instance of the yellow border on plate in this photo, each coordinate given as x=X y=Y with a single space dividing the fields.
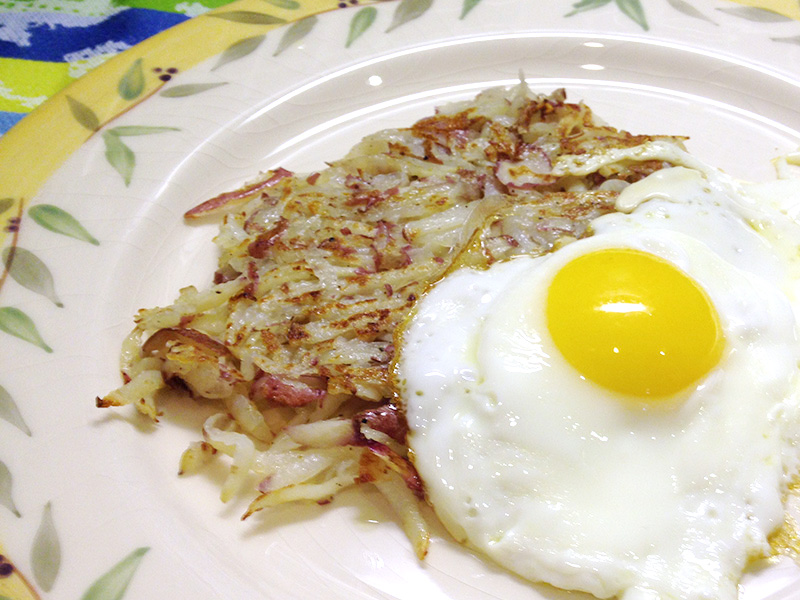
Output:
x=787 y=8
x=35 y=147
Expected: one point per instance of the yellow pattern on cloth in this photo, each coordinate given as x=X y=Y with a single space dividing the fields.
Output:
x=27 y=83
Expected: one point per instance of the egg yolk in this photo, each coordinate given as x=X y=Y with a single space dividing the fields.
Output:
x=633 y=323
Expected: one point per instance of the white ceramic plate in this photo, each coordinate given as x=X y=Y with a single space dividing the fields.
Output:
x=101 y=486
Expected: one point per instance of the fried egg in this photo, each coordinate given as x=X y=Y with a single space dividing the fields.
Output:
x=619 y=417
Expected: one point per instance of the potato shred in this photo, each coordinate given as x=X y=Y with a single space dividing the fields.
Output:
x=294 y=338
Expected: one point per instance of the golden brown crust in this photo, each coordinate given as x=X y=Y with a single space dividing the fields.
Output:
x=326 y=266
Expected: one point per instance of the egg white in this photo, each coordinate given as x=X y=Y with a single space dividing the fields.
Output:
x=563 y=481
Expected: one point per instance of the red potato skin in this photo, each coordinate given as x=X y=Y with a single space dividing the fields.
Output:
x=218 y=204
x=284 y=390
x=386 y=418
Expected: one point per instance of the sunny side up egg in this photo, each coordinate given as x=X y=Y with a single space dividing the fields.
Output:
x=620 y=416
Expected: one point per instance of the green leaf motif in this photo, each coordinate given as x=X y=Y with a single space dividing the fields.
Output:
x=408 y=10
x=295 y=33
x=15 y=322
x=287 y=4
x=60 y=221
x=114 y=583
x=468 y=6
x=633 y=9
x=239 y=50
x=46 y=551
x=5 y=204
x=248 y=17
x=630 y=8
x=689 y=10
x=130 y=130
x=10 y=412
x=795 y=39
x=132 y=83
x=585 y=5
x=5 y=490
x=119 y=156
x=83 y=114
x=189 y=89
x=361 y=21
x=30 y=272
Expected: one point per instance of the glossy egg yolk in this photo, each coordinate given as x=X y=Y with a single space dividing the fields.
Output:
x=633 y=323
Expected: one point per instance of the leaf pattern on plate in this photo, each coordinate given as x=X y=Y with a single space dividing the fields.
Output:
x=132 y=83
x=795 y=39
x=630 y=8
x=83 y=114
x=46 y=551
x=5 y=490
x=114 y=583
x=408 y=10
x=758 y=15
x=467 y=7
x=248 y=17
x=295 y=33
x=189 y=89
x=15 y=322
x=287 y=4
x=119 y=156
x=360 y=22
x=132 y=130
x=238 y=50
x=585 y=5
x=9 y=412
x=689 y=10
x=60 y=221
x=30 y=272
x=5 y=204
x=633 y=9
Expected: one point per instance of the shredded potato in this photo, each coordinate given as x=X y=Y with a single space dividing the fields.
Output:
x=294 y=339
